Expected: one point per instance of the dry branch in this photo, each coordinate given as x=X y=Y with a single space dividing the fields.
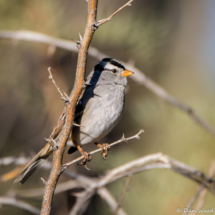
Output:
x=139 y=76
x=93 y=185
x=70 y=110
x=19 y=204
x=145 y=163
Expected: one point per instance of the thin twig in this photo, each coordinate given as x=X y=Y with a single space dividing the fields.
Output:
x=63 y=95
x=19 y=204
x=125 y=190
x=139 y=76
x=192 y=200
x=97 y=24
x=123 y=139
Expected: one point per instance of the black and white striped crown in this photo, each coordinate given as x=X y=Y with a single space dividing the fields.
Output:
x=113 y=62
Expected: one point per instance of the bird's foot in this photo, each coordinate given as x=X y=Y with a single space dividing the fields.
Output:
x=105 y=147
x=87 y=158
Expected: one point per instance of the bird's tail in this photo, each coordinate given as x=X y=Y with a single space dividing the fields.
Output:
x=38 y=159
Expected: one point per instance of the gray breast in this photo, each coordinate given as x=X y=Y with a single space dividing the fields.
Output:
x=101 y=113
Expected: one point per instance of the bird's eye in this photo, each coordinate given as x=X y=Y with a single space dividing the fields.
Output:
x=114 y=71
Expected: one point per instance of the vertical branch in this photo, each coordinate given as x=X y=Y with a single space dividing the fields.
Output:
x=56 y=170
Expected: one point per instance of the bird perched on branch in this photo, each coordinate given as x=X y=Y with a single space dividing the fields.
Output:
x=99 y=109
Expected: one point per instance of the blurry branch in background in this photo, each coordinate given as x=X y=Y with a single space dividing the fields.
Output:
x=106 y=195
x=125 y=190
x=200 y=193
x=19 y=204
x=97 y=185
x=139 y=76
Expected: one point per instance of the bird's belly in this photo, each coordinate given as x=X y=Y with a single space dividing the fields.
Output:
x=101 y=114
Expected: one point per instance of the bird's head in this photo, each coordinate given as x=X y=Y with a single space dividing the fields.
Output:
x=110 y=71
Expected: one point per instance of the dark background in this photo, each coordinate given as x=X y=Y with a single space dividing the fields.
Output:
x=172 y=42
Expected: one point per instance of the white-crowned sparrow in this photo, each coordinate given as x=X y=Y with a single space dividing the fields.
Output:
x=97 y=112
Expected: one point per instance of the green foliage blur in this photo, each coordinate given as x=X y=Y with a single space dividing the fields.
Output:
x=163 y=39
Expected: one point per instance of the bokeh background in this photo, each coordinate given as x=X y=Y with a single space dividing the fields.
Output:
x=172 y=42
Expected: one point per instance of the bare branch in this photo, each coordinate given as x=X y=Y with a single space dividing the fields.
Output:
x=139 y=76
x=70 y=110
x=157 y=161
x=19 y=204
x=97 y=24
x=39 y=37
x=93 y=185
x=123 y=139
x=145 y=163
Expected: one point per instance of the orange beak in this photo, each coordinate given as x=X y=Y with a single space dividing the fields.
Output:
x=127 y=73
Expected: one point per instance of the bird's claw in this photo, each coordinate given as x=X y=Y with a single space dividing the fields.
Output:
x=87 y=158
x=105 y=148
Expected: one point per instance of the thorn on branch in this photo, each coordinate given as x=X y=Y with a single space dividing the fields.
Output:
x=123 y=138
x=80 y=37
x=78 y=42
x=44 y=181
x=63 y=95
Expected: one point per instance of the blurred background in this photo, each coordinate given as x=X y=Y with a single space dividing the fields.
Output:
x=172 y=42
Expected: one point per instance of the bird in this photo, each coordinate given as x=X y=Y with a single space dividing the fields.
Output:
x=97 y=112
